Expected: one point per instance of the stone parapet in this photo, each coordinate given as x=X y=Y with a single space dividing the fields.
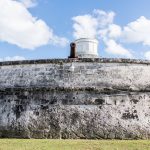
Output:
x=95 y=98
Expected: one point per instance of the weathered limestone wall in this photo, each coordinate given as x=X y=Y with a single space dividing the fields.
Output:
x=84 y=98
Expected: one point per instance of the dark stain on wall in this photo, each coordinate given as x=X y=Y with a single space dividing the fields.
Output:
x=99 y=101
x=128 y=115
x=135 y=101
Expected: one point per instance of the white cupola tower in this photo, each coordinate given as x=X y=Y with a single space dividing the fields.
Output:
x=86 y=48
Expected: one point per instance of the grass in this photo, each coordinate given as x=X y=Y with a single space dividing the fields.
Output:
x=31 y=144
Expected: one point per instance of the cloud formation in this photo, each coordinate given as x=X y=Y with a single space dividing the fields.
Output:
x=99 y=24
x=147 y=55
x=29 y=3
x=90 y=25
x=85 y=26
x=14 y=58
x=113 y=48
x=137 y=31
x=19 y=27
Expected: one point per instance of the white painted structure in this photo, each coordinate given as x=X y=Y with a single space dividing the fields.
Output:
x=87 y=48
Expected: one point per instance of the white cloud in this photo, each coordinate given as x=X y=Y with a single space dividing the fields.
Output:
x=137 y=31
x=19 y=27
x=29 y=3
x=147 y=55
x=100 y=25
x=14 y=58
x=114 y=31
x=113 y=48
x=85 y=26
x=103 y=18
x=89 y=25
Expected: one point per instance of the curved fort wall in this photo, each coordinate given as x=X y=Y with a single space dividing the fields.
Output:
x=75 y=98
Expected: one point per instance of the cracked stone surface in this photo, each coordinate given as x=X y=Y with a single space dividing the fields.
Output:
x=81 y=98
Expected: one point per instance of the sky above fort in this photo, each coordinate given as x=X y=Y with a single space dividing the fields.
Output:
x=41 y=29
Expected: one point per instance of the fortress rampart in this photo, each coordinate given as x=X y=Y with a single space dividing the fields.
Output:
x=94 y=98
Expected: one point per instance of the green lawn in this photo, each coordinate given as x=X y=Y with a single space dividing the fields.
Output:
x=18 y=144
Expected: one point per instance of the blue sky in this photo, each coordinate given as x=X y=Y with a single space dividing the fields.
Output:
x=39 y=29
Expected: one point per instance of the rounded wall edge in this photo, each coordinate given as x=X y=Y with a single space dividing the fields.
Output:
x=66 y=60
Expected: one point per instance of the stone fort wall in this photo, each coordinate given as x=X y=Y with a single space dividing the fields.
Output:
x=75 y=98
